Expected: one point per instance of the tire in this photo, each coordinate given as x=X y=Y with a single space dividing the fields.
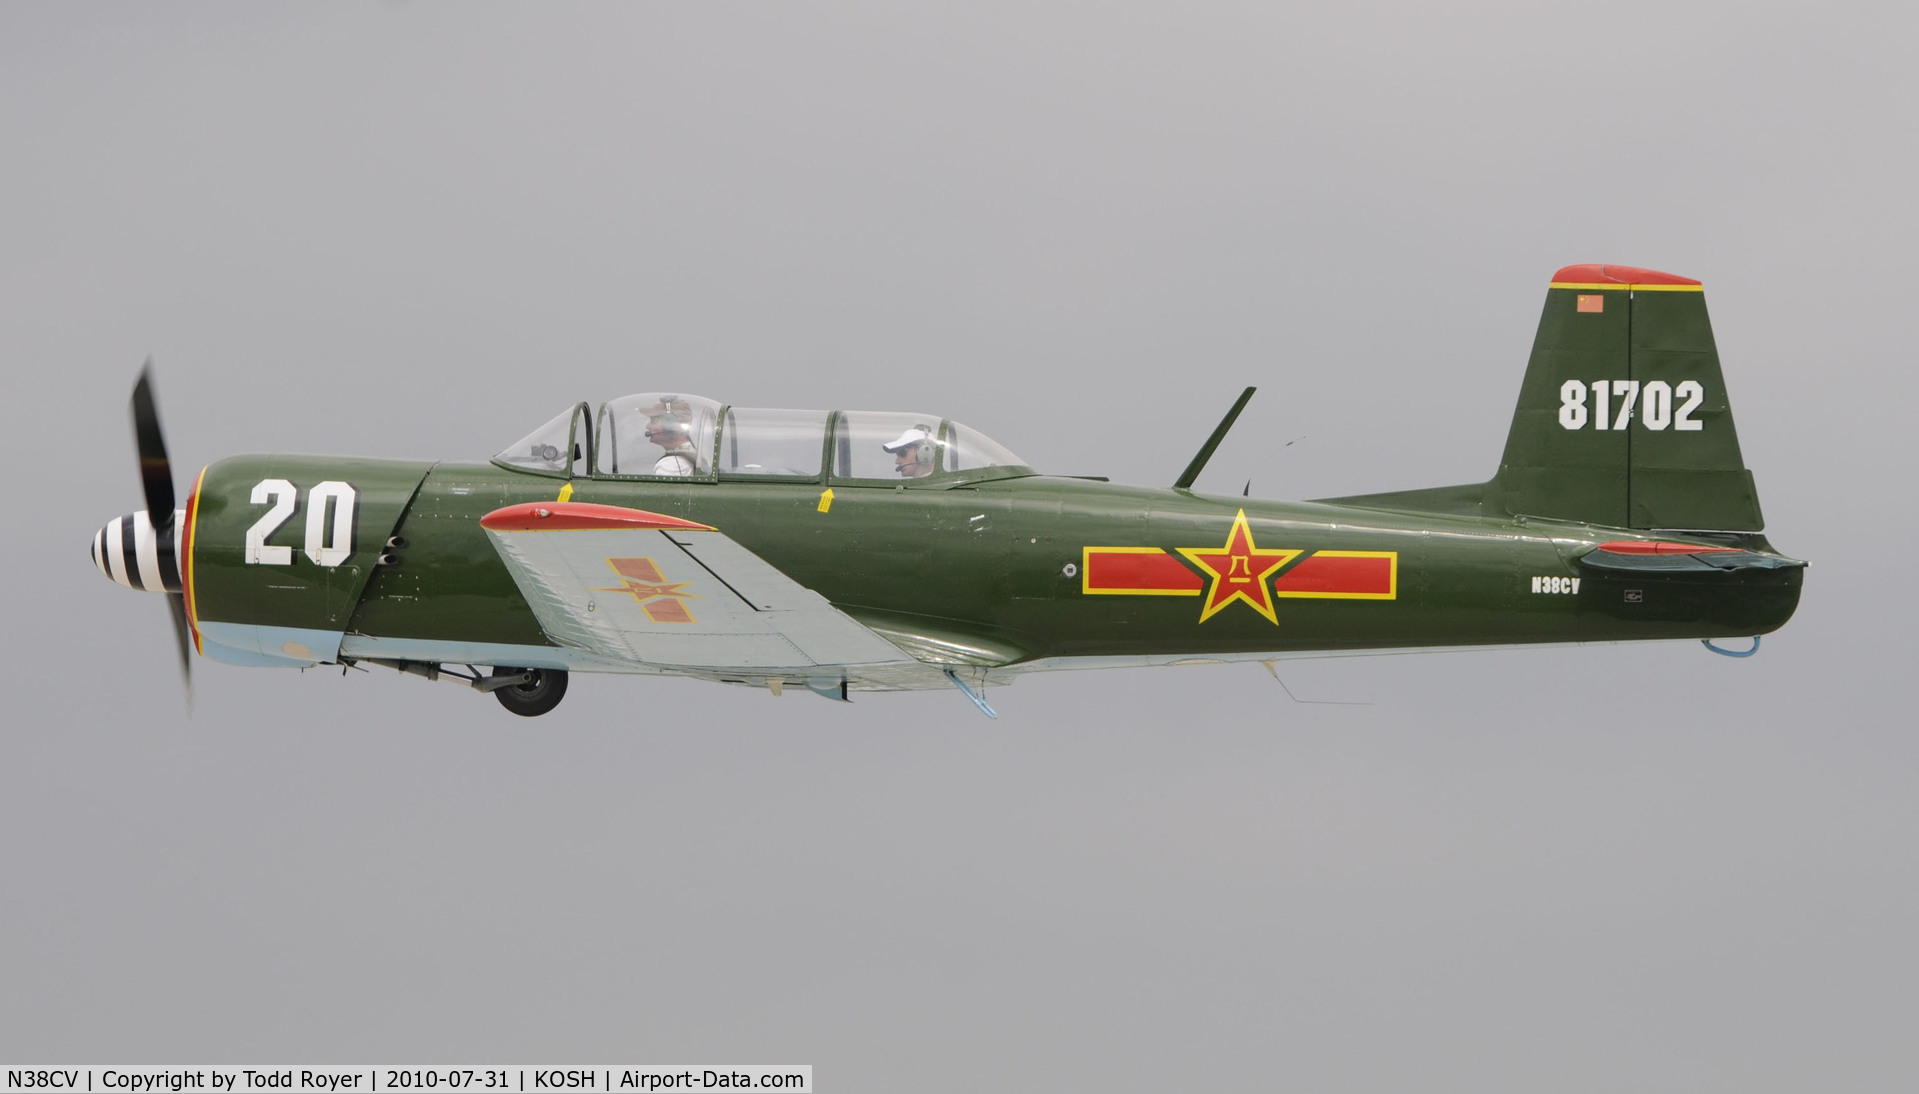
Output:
x=534 y=698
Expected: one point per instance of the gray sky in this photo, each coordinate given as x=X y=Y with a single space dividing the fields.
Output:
x=420 y=229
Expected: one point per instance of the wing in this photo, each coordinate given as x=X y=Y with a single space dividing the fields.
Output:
x=675 y=595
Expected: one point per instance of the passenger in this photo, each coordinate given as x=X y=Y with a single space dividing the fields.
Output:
x=666 y=426
x=915 y=452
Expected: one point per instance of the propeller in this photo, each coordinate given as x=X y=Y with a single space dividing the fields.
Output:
x=156 y=478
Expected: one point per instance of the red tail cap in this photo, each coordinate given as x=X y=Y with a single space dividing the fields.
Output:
x=1599 y=273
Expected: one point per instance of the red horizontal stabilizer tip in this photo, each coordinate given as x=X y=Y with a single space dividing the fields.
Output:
x=1599 y=273
x=1660 y=547
x=577 y=516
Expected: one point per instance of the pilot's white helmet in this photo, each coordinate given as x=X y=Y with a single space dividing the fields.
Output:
x=918 y=435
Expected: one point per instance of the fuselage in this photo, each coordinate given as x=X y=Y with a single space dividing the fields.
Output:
x=1004 y=566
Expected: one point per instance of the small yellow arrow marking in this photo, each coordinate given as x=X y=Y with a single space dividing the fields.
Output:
x=826 y=499
x=566 y=492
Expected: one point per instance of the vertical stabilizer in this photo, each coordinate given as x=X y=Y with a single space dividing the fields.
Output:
x=1623 y=418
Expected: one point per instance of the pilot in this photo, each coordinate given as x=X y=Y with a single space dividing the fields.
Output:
x=915 y=453
x=666 y=426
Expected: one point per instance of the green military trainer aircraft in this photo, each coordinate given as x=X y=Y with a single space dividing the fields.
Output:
x=842 y=551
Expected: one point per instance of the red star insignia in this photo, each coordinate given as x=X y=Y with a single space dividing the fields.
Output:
x=661 y=599
x=1239 y=571
x=644 y=591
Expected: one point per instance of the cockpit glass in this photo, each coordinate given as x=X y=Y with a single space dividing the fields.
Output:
x=671 y=435
x=869 y=445
x=550 y=449
x=967 y=449
x=664 y=434
x=772 y=442
x=896 y=446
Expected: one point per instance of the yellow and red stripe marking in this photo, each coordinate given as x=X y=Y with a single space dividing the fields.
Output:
x=1321 y=575
x=1137 y=571
x=1342 y=575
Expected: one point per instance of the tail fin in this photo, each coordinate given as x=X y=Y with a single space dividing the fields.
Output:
x=1623 y=418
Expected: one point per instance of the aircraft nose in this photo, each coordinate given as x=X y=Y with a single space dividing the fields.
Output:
x=129 y=551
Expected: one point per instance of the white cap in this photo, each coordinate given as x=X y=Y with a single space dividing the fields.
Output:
x=916 y=435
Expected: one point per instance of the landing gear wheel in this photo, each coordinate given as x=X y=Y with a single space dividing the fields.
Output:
x=536 y=696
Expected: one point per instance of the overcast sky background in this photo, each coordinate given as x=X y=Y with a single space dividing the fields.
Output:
x=420 y=229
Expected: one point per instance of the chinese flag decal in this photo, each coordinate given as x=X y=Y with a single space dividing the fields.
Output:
x=1238 y=571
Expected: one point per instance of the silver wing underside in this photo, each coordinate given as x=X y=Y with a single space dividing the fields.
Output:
x=694 y=602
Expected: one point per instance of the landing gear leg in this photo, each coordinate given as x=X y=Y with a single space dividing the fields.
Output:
x=540 y=693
